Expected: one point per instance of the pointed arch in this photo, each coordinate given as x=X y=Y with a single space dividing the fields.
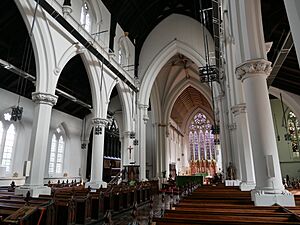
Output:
x=42 y=44
x=160 y=60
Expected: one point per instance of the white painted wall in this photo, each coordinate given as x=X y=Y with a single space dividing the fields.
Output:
x=179 y=27
x=289 y=165
x=150 y=146
x=72 y=124
x=129 y=46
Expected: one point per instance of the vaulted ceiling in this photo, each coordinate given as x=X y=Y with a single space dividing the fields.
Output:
x=138 y=17
x=177 y=71
x=187 y=102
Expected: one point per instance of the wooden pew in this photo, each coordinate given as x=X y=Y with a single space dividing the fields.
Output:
x=225 y=206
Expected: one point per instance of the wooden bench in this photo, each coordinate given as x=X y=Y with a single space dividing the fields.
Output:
x=225 y=206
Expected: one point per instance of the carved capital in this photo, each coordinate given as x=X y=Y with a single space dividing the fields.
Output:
x=100 y=122
x=237 y=109
x=84 y=144
x=232 y=126
x=126 y=134
x=253 y=67
x=44 y=98
x=142 y=106
x=145 y=118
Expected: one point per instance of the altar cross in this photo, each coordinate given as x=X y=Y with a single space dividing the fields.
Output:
x=129 y=149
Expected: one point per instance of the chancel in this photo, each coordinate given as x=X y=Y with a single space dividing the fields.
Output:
x=189 y=107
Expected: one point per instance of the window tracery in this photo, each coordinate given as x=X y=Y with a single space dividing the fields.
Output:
x=85 y=17
x=201 y=139
x=294 y=131
x=57 y=152
x=8 y=134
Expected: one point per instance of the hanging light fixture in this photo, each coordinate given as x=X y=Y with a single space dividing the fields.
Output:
x=209 y=74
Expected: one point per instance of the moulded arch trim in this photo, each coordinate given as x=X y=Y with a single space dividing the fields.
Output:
x=125 y=103
x=155 y=103
x=92 y=73
x=287 y=99
x=107 y=86
x=71 y=51
x=98 y=12
x=160 y=60
x=65 y=129
x=42 y=44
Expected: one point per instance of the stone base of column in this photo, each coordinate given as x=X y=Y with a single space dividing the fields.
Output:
x=232 y=183
x=247 y=186
x=96 y=184
x=34 y=191
x=269 y=198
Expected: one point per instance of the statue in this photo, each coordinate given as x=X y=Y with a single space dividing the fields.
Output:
x=230 y=172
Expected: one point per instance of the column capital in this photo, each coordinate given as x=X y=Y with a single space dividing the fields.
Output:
x=143 y=106
x=145 y=118
x=84 y=144
x=239 y=108
x=44 y=98
x=129 y=134
x=253 y=67
x=232 y=126
x=99 y=122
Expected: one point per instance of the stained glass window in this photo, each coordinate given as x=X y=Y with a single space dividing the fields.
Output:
x=196 y=149
x=294 y=131
x=201 y=139
x=191 y=139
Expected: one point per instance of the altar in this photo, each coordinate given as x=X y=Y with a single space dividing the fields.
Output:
x=131 y=174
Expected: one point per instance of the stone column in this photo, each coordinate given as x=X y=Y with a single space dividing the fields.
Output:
x=143 y=112
x=224 y=133
x=167 y=152
x=84 y=149
x=38 y=144
x=157 y=159
x=236 y=159
x=244 y=147
x=97 y=154
x=269 y=188
x=162 y=149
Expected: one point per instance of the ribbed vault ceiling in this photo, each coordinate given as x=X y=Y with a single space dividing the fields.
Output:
x=188 y=101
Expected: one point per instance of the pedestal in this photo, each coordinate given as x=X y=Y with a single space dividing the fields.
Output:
x=96 y=184
x=35 y=191
x=265 y=198
x=244 y=186
x=234 y=183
